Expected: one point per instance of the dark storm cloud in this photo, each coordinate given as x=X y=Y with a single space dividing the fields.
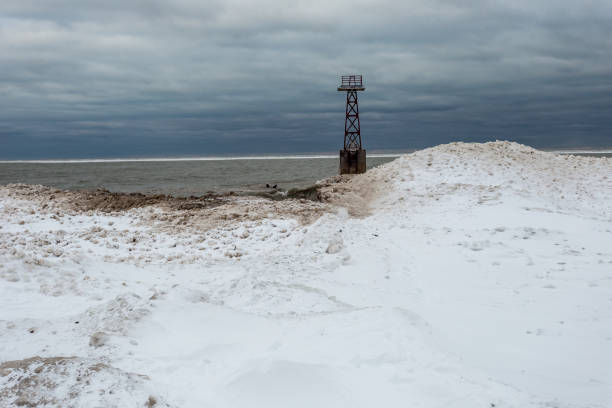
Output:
x=144 y=78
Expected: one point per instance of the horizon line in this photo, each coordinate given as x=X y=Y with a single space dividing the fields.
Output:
x=197 y=158
x=255 y=157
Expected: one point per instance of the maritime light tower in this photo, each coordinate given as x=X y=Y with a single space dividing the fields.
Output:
x=352 y=156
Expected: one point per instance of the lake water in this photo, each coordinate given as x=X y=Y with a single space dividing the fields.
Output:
x=176 y=177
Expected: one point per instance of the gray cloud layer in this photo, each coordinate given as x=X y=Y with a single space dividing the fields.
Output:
x=143 y=78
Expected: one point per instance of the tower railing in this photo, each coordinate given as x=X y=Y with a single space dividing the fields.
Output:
x=351 y=81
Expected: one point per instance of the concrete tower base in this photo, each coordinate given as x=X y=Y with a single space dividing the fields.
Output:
x=352 y=162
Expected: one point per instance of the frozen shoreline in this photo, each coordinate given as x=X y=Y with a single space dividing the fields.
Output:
x=606 y=151
x=463 y=275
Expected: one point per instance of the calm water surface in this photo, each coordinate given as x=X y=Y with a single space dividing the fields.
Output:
x=177 y=177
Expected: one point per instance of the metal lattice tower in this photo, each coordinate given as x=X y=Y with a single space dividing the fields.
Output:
x=352 y=157
x=351 y=84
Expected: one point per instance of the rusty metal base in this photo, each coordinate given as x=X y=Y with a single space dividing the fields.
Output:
x=352 y=162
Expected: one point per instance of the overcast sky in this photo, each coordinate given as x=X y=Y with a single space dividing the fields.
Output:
x=138 y=78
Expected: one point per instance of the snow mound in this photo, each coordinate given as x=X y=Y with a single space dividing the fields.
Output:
x=115 y=316
x=72 y=382
x=486 y=170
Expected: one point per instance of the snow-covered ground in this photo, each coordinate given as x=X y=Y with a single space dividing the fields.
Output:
x=466 y=275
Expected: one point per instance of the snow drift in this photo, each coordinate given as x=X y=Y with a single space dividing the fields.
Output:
x=463 y=275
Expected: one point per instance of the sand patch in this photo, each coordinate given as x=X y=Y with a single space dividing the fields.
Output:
x=171 y=213
x=71 y=382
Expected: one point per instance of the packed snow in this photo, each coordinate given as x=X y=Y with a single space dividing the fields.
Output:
x=465 y=275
